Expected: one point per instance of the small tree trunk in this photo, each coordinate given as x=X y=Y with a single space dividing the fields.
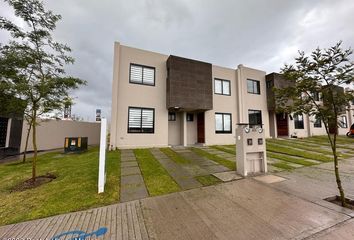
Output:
x=34 y=147
x=26 y=145
x=336 y=170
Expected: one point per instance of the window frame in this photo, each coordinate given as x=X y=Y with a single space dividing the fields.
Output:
x=317 y=123
x=191 y=119
x=255 y=110
x=296 y=121
x=222 y=86
x=258 y=84
x=342 y=123
x=174 y=116
x=141 y=116
x=142 y=74
x=223 y=125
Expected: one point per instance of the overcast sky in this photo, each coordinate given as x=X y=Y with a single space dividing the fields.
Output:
x=262 y=34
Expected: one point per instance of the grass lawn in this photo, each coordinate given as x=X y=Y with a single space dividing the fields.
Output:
x=74 y=189
x=175 y=156
x=229 y=164
x=225 y=148
x=157 y=179
x=208 y=180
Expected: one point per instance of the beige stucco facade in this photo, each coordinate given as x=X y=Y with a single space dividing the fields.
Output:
x=179 y=132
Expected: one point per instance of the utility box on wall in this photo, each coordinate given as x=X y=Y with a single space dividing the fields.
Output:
x=250 y=149
x=75 y=144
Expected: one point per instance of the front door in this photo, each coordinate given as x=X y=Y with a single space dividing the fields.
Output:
x=201 y=127
x=282 y=124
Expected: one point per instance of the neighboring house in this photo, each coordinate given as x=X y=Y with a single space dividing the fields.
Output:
x=300 y=125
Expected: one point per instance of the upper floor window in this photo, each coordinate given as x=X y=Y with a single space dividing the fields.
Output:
x=269 y=84
x=299 y=121
x=171 y=116
x=255 y=117
x=316 y=96
x=142 y=74
x=190 y=117
x=253 y=86
x=223 y=123
x=222 y=87
x=141 y=120
x=343 y=121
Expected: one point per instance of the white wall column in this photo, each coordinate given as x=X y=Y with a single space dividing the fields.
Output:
x=102 y=156
x=184 y=129
x=8 y=132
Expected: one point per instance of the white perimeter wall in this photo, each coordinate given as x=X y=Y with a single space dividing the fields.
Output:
x=51 y=133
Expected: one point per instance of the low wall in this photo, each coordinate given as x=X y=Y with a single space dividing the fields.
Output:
x=51 y=133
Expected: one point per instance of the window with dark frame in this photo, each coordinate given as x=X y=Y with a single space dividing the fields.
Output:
x=299 y=121
x=171 y=116
x=343 y=122
x=222 y=87
x=253 y=86
x=190 y=117
x=254 y=117
x=141 y=120
x=316 y=96
x=140 y=74
x=317 y=123
x=223 y=123
x=269 y=84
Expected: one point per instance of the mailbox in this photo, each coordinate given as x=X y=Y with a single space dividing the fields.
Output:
x=75 y=144
x=250 y=149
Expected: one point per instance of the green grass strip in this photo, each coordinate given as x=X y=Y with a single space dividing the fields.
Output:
x=288 y=158
x=282 y=166
x=229 y=164
x=294 y=144
x=175 y=156
x=298 y=153
x=208 y=180
x=224 y=149
x=156 y=178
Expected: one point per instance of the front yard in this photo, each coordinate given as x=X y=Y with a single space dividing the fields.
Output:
x=163 y=171
x=75 y=187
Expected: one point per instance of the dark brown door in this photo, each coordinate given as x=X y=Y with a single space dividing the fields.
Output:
x=201 y=127
x=282 y=124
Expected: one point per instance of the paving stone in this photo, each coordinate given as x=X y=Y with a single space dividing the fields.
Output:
x=129 y=164
x=130 y=171
x=269 y=179
x=128 y=159
x=227 y=176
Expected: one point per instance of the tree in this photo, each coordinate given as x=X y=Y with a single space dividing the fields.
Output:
x=323 y=72
x=32 y=64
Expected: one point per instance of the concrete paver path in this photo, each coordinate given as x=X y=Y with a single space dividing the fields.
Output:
x=132 y=183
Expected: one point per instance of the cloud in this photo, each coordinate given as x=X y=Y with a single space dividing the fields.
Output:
x=257 y=33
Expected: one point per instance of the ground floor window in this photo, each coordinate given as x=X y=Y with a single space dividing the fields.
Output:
x=3 y=131
x=141 y=120
x=223 y=123
x=190 y=117
x=255 y=117
x=343 y=122
x=317 y=123
x=299 y=121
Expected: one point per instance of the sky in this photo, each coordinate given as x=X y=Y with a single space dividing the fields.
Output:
x=262 y=34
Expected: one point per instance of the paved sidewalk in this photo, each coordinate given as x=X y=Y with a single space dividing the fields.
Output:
x=132 y=183
x=244 y=209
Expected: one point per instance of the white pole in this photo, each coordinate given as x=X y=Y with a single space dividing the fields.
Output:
x=102 y=160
